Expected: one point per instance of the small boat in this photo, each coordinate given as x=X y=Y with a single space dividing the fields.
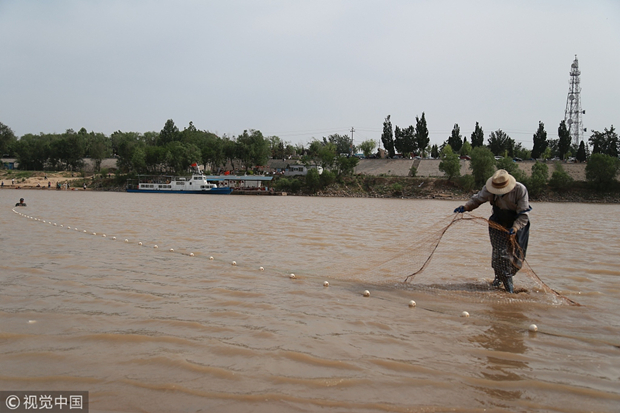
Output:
x=197 y=184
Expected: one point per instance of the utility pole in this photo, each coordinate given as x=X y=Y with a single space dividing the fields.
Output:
x=351 y=147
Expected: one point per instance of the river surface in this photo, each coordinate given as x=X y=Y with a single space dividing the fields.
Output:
x=147 y=329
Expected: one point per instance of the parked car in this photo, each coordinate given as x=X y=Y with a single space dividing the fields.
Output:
x=466 y=157
x=517 y=159
x=497 y=158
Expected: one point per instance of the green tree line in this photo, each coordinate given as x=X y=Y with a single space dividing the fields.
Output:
x=171 y=150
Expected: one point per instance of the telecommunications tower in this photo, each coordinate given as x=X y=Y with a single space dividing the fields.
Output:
x=573 y=112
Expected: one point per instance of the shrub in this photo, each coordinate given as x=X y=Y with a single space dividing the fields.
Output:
x=327 y=178
x=287 y=185
x=538 y=181
x=541 y=168
x=413 y=171
x=559 y=178
x=450 y=164
x=602 y=169
x=512 y=168
x=397 y=189
x=313 y=180
x=482 y=164
x=467 y=182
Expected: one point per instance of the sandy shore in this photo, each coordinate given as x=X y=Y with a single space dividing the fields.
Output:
x=41 y=180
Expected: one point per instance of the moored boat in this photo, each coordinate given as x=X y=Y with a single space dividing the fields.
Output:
x=197 y=184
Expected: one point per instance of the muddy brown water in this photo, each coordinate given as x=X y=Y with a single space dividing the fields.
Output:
x=147 y=329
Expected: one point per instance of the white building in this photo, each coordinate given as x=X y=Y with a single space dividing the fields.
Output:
x=293 y=170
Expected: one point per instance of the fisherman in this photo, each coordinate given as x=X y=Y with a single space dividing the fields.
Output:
x=21 y=202
x=508 y=225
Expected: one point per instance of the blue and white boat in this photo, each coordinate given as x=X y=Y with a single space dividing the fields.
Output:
x=197 y=184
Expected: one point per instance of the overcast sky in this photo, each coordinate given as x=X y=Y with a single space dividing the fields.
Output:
x=304 y=69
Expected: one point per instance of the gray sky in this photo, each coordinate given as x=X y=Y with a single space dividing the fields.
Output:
x=304 y=69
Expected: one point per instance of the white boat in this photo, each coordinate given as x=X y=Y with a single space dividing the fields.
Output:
x=197 y=184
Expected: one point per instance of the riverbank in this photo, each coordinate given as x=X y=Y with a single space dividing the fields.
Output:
x=440 y=188
x=357 y=186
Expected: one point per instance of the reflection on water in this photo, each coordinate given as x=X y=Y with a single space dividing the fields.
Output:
x=149 y=329
x=501 y=339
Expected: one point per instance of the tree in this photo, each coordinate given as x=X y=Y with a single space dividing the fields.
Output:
x=466 y=148
x=182 y=155
x=450 y=164
x=554 y=148
x=564 y=140
x=342 y=143
x=387 y=137
x=212 y=150
x=230 y=150
x=434 y=152
x=346 y=164
x=276 y=147
x=421 y=134
x=477 y=137
x=581 y=152
x=7 y=140
x=501 y=144
x=170 y=133
x=154 y=158
x=520 y=152
x=482 y=164
x=455 y=140
x=138 y=160
x=368 y=147
x=98 y=147
x=68 y=149
x=253 y=149
x=602 y=169
x=404 y=140
x=322 y=152
x=32 y=151
x=540 y=141
x=605 y=142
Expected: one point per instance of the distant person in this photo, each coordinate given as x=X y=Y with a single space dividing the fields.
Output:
x=21 y=202
x=49 y=184
x=2 y=184
x=85 y=186
x=511 y=208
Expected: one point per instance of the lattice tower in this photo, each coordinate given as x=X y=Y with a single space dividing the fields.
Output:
x=573 y=112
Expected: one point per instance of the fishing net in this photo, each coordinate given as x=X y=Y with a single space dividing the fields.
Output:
x=456 y=254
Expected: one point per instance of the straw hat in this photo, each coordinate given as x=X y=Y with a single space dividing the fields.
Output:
x=501 y=182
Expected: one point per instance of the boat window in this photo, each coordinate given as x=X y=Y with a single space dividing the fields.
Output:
x=180 y=183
